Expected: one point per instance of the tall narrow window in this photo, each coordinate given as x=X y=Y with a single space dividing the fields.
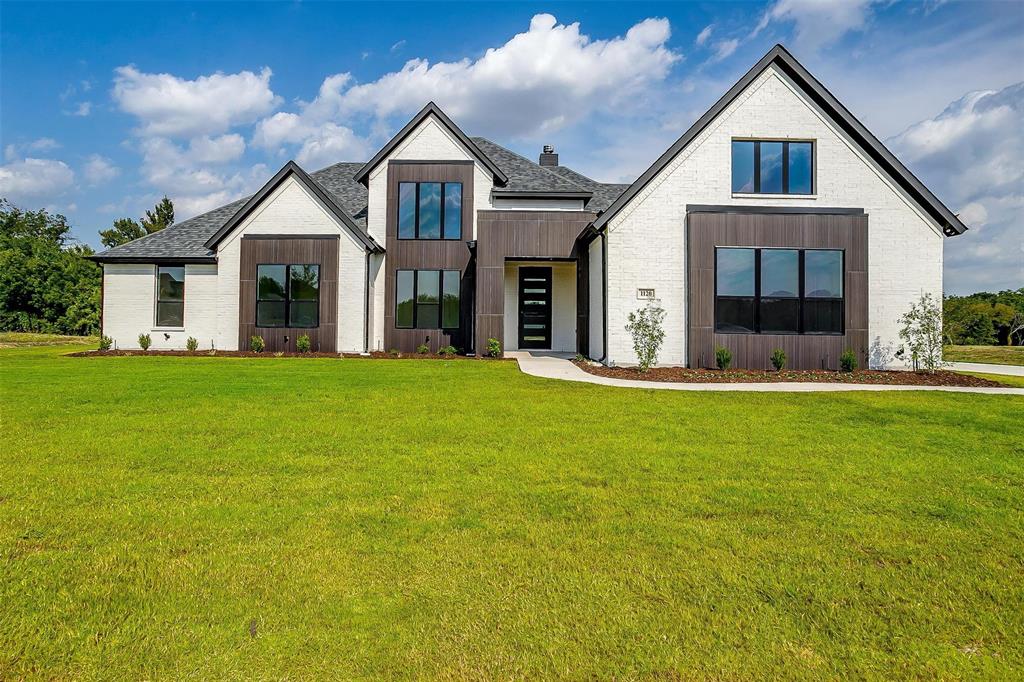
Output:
x=778 y=291
x=170 y=296
x=770 y=167
x=427 y=299
x=288 y=296
x=429 y=210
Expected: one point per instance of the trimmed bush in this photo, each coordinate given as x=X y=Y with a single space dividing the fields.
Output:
x=723 y=357
x=192 y=343
x=848 y=361
x=302 y=343
x=423 y=349
x=145 y=342
x=256 y=344
x=778 y=359
x=447 y=351
x=394 y=353
x=493 y=347
x=106 y=342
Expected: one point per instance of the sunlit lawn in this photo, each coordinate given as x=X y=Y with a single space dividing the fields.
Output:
x=1000 y=355
x=212 y=518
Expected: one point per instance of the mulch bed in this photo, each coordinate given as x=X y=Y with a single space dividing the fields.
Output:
x=738 y=376
x=376 y=355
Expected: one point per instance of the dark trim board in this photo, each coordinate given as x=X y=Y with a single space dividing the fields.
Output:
x=705 y=231
x=788 y=64
x=770 y=210
x=553 y=194
x=154 y=261
x=280 y=237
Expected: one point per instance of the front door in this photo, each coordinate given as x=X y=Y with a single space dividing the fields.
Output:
x=534 y=307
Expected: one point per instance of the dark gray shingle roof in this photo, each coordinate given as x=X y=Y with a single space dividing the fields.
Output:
x=187 y=239
x=604 y=193
x=524 y=175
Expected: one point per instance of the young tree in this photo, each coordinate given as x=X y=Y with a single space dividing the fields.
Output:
x=127 y=229
x=922 y=331
x=645 y=326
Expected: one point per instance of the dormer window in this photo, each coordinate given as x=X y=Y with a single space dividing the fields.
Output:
x=430 y=210
x=772 y=167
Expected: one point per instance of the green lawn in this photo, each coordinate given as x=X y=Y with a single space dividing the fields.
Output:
x=999 y=355
x=213 y=518
x=12 y=339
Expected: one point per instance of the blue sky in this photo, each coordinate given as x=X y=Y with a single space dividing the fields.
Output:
x=106 y=107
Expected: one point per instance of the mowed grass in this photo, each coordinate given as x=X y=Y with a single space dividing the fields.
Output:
x=14 y=339
x=999 y=355
x=220 y=518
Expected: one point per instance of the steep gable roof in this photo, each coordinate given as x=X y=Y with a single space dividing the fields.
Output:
x=186 y=241
x=787 y=63
x=362 y=175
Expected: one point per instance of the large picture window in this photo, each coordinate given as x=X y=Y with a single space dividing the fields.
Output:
x=427 y=299
x=430 y=210
x=778 y=291
x=288 y=296
x=170 y=296
x=770 y=167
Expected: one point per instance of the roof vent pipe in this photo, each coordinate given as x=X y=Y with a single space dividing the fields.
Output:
x=548 y=157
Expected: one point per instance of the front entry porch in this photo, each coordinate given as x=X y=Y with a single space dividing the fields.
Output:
x=540 y=306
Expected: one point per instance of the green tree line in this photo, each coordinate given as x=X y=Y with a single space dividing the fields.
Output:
x=984 y=319
x=47 y=282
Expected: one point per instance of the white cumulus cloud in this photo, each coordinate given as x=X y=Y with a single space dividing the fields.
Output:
x=969 y=155
x=172 y=106
x=35 y=180
x=99 y=169
x=818 y=22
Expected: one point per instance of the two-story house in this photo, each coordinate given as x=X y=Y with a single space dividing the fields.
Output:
x=776 y=221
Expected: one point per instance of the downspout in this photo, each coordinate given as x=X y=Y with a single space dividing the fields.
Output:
x=604 y=294
x=366 y=306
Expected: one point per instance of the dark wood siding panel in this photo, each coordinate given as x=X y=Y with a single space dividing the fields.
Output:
x=705 y=231
x=421 y=254
x=289 y=251
x=518 y=235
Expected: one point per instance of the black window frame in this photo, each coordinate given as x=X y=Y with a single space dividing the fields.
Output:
x=785 y=166
x=440 y=298
x=757 y=298
x=287 y=296
x=156 y=307
x=416 y=216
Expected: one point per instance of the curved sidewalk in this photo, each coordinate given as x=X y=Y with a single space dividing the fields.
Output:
x=558 y=366
x=987 y=368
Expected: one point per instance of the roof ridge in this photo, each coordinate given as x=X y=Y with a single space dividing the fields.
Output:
x=546 y=170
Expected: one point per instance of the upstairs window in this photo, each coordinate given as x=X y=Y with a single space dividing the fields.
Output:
x=770 y=167
x=430 y=210
x=170 y=296
x=288 y=296
x=427 y=299
x=778 y=291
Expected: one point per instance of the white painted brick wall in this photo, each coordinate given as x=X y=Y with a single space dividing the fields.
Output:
x=430 y=141
x=596 y=314
x=646 y=239
x=129 y=306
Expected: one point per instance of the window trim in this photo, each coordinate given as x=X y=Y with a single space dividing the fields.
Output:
x=440 y=298
x=287 y=296
x=802 y=297
x=756 y=192
x=156 y=298
x=416 y=215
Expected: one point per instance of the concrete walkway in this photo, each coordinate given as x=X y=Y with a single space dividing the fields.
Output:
x=986 y=368
x=551 y=365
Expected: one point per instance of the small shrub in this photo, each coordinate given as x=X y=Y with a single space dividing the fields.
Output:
x=256 y=344
x=423 y=349
x=106 y=342
x=648 y=334
x=778 y=359
x=211 y=352
x=302 y=343
x=723 y=357
x=848 y=361
x=447 y=351
x=145 y=342
x=192 y=343
x=922 y=330
x=494 y=347
x=278 y=353
x=580 y=357
x=393 y=353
